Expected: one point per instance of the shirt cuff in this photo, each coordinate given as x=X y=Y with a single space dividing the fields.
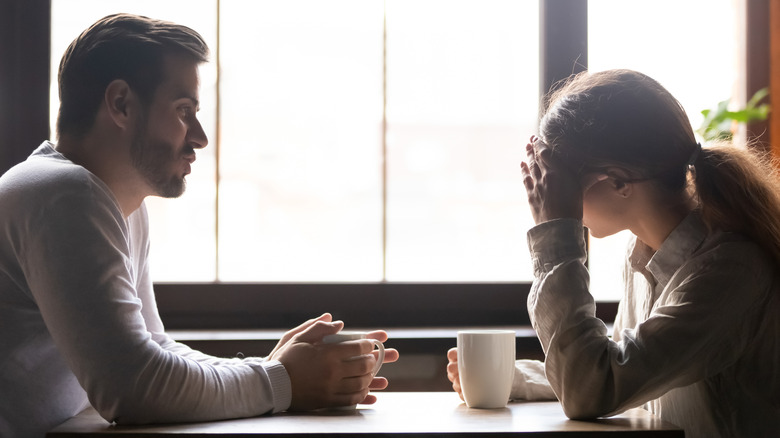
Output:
x=530 y=382
x=281 y=388
x=556 y=241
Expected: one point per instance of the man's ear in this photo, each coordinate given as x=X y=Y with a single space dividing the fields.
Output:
x=120 y=100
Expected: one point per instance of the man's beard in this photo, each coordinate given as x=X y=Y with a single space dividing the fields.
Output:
x=153 y=160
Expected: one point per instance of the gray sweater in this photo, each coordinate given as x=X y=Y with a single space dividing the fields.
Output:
x=79 y=322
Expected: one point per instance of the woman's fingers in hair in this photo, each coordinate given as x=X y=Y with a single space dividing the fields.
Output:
x=532 y=161
x=525 y=172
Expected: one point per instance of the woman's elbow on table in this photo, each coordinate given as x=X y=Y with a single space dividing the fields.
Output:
x=588 y=403
x=576 y=411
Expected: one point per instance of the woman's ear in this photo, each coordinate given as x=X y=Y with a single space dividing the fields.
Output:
x=623 y=188
x=119 y=99
x=620 y=182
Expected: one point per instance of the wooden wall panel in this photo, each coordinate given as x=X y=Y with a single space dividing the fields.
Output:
x=774 y=75
x=757 y=64
x=24 y=78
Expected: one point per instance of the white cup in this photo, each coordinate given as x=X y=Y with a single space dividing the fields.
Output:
x=486 y=365
x=343 y=336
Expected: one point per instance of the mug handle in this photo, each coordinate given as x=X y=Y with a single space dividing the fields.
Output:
x=381 y=358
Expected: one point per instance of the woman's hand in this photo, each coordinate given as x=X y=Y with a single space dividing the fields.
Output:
x=553 y=190
x=452 y=371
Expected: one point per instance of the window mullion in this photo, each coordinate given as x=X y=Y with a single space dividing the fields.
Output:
x=384 y=144
x=563 y=46
x=563 y=41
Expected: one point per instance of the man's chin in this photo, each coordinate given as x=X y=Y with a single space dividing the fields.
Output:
x=173 y=189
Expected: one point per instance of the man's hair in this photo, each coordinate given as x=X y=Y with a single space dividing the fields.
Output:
x=120 y=46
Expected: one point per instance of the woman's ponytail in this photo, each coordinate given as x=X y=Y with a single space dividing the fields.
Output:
x=739 y=191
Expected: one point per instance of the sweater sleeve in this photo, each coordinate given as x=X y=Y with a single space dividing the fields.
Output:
x=83 y=276
x=279 y=381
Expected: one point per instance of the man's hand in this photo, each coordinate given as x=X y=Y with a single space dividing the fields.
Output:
x=553 y=190
x=452 y=371
x=325 y=317
x=391 y=355
x=329 y=375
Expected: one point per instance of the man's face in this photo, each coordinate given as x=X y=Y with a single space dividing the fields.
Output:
x=165 y=139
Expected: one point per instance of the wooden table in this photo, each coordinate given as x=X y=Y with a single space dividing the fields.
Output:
x=396 y=414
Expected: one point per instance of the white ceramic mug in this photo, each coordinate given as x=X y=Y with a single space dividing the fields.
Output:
x=352 y=336
x=486 y=365
x=343 y=336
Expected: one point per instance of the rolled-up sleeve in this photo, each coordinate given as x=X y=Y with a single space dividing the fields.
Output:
x=693 y=333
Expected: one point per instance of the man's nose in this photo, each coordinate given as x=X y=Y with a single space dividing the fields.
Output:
x=196 y=135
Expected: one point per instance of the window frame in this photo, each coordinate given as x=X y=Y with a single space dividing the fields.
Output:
x=24 y=101
x=239 y=306
x=390 y=305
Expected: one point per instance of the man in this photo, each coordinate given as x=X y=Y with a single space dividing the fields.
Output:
x=77 y=311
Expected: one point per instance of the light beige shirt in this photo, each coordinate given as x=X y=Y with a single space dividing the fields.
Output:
x=696 y=339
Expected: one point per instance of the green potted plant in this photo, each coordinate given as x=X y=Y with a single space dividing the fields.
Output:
x=720 y=123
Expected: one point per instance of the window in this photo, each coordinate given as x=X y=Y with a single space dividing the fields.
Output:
x=301 y=144
x=462 y=97
x=370 y=140
x=359 y=140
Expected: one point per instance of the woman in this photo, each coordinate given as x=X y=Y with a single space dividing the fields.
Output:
x=697 y=335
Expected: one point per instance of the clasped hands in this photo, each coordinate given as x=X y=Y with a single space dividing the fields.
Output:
x=329 y=375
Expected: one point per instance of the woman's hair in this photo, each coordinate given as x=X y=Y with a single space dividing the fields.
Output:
x=119 y=46
x=626 y=119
